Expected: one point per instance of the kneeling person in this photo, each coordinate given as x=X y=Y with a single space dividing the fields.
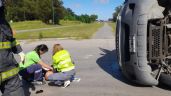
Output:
x=64 y=69
x=31 y=68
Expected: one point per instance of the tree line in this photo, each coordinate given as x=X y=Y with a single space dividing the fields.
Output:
x=116 y=13
x=70 y=15
x=46 y=10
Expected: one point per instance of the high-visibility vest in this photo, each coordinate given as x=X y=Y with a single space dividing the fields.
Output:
x=9 y=73
x=62 y=61
x=7 y=45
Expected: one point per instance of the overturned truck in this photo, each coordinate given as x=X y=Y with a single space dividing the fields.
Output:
x=143 y=41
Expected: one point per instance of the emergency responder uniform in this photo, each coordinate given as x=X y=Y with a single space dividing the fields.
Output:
x=10 y=84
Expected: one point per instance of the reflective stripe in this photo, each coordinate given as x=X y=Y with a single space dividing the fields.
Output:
x=68 y=69
x=38 y=71
x=8 y=74
x=64 y=62
x=63 y=56
x=7 y=45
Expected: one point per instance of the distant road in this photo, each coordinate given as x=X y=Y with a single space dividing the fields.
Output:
x=40 y=29
x=104 y=33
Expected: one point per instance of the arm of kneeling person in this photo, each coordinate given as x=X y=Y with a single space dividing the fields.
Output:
x=45 y=66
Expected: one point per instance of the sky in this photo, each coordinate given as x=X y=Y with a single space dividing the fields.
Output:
x=103 y=8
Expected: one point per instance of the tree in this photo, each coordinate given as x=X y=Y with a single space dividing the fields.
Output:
x=115 y=14
x=69 y=12
x=93 y=18
x=45 y=10
x=20 y=10
x=69 y=15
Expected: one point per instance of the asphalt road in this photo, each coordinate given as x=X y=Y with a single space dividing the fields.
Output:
x=104 y=33
x=96 y=66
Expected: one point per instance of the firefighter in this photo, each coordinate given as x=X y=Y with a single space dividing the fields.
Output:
x=10 y=84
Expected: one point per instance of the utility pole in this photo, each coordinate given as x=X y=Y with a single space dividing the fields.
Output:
x=53 y=13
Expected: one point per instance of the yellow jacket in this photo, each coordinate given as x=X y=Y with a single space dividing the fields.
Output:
x=62 y=61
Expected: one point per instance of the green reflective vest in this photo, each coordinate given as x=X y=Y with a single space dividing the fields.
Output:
x=62 y=61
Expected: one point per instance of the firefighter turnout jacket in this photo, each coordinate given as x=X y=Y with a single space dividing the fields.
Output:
x=8 y=46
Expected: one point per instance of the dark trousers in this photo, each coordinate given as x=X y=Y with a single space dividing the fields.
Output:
x=12 y=87
x=60 y=77
x=31 y=73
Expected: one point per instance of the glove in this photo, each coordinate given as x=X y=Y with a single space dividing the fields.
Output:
x=22 y=56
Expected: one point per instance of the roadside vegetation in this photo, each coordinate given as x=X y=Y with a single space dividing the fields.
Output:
x=47 y=11
x=37 y=14
x=82 y=31
x=26 y=25
x=68 y=22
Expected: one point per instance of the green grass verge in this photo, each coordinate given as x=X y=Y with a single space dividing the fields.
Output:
x=83 y=31
x=113 y=25
x=66 y=22
x=26 y=25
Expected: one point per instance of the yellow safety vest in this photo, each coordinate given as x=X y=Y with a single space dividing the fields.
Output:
x=62 y=61
x=7 y=45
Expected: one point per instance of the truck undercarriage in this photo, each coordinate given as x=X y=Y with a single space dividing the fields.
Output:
x=159 y=45
x=143 y=41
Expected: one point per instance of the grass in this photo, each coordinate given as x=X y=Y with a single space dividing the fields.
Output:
x=113 y=25
x=26 y=25
x=66 y=22
x=83 y=31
